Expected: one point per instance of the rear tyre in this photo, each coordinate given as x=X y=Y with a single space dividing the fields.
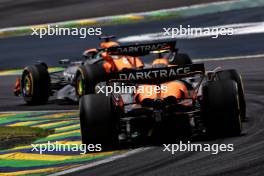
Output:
x=235 y=76
x=181 y=59
x=99 y=121
x=86 y=78
x=221 y=109
x=35 y=84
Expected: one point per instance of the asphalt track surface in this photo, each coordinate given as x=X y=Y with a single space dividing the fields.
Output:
x=26 y=12
x=247 y=157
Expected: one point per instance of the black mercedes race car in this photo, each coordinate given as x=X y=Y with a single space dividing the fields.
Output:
x=196 y=101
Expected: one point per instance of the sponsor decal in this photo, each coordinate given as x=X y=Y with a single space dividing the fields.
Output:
x=154 y=74
x=141 y=48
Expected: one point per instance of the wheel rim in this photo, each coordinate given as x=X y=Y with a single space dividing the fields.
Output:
x=80 y=87
x=27 y=88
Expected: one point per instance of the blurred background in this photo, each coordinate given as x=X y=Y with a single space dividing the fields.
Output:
x=25 y=12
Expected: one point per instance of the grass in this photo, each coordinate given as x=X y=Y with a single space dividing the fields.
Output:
x=20 y=135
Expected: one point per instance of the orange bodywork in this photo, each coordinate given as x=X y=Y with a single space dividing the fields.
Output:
x=175 y=89
x=128 y=62
x=161 y=61
x=108 y=44
x=118 y=63
x=121 y=62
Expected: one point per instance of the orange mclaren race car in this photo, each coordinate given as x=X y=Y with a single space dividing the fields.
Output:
x=170 y=98
x=78 y=78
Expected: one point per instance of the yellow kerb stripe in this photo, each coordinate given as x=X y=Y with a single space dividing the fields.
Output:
x=135 y=17
x=23 y=123
x=6 y=115
x=51 y=169
x=58 y=142
x=63 y=134
x=46 y=157
x=39 y=26
x=50 y=124
x=87 y=22
x=60 y=115
x=67 y=127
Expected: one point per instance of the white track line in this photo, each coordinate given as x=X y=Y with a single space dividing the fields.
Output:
x=104 y=161
x=257 y=56
x=238 y=29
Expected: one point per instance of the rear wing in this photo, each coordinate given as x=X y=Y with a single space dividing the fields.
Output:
x=157 y=75
x=141 y=49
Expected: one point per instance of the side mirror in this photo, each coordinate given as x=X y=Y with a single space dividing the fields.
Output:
x=90 y=53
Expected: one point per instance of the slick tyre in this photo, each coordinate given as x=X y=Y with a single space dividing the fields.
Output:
x=221 y=109
x=35 y=84
x=181 y=59
x=99 y=121
x=235 y=76
x=86 y=78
